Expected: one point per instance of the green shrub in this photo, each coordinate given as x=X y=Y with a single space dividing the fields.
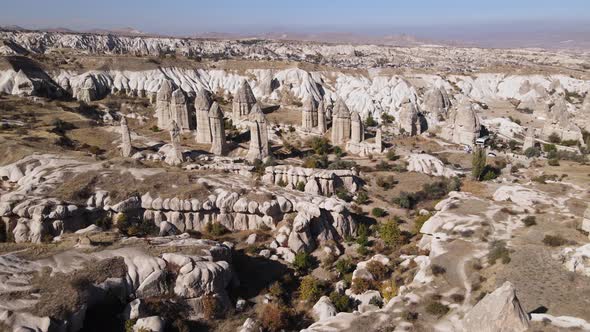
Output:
x=554 y=138
x=386 y=182
x=320 y=145
x=310 y=289
x=437 y=309
x=362 y=197
x=338 y=151
x=554 y=241
x=282 y=183
x=387 y=119
x=344 y=266
x=549 y=148
x=363 y=250
x=376 y=301
x=276 y=290
x=529 y=221
x=532 y=152
x=391 y=155
x=341 y=301
x=390 y=233
x=369 y=121
x=215 y=229
x=303 y=261
x=362 y=237
x=378 y=212
x=405 y=200
x=553 y=162
x=478 y=163
x=300 y=186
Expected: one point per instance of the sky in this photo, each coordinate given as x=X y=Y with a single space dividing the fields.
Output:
x=185 y=17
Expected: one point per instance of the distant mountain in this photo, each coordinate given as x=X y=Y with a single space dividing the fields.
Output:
x=128 y=31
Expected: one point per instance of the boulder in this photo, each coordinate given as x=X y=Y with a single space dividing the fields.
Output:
x=324 y=309
x=499 y=311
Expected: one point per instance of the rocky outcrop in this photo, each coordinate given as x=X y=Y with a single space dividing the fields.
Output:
x=309 y=115
x=324 y=309
x=259 y=144
x=316 y=181
x=126 y=148
x=217 y=130
x=436 y=104
x=174 y=156
x=357 y=131
x=322 y=126
x=561 y=123
x=409 y=122
x=427 y=164
x=202 y=106
x=529 y=139
x=179 y=110
x=340 y=123
x=163 y=100
x=243 y=102
x=209 y=272
x=463 y=125
x=499 y=311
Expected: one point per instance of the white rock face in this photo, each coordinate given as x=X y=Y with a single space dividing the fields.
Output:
x=576 y=259
x=152 y=323
x=522 y=196
x=324 y=309
x=463 y=125
x=427 y=164
x=499 y=311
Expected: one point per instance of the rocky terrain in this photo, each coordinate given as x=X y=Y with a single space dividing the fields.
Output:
x=162 y=184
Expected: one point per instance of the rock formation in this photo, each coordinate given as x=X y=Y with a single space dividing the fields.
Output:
x=88 y=90
x=126 y=148
x=259 y=147
x=529 y=139
x=309 y=115
x=340 y=123
x=202 y=106
x=217 y=130
x=409 y=123
x=427 y=164
x=436 y=104
x=499 y=311
x=463 y=125
x=243 y=102
x=179 y=110
x=163 y=99
x=357 y=132
x=316 y=181
x=322 y=127
x=560 y=122
x=174 y=156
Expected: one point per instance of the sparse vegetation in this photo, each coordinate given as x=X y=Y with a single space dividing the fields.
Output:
x=554 y=240
x=529 y=221
x=498 y=251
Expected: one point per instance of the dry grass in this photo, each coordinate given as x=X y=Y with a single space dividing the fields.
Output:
x=122 y=185
x=62 y=294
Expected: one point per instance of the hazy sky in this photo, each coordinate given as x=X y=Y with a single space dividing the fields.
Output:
x=379 y=16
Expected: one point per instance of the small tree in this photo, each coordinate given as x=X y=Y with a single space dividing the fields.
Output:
x=369 y=121
x=302 y=261
x=554 y=138
x=478 y=163
x=310 y=289
x=390 y=233
x=532 y=152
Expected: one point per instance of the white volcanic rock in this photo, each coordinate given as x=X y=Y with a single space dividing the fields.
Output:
x=521 y=195
x=324 y=309
x=152 y=323
x=499 y=311
x=427 y=164
x=463 y=125
x=576 y=259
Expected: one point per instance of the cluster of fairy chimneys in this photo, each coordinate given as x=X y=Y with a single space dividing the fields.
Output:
x=207 y=123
